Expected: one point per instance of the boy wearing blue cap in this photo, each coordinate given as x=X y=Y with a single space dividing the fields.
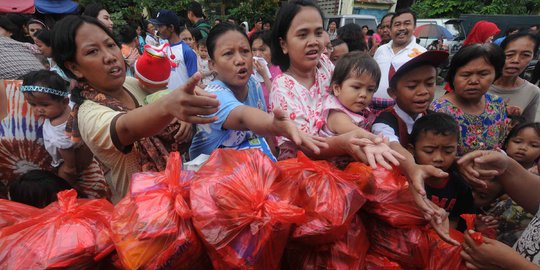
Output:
x=183 y=57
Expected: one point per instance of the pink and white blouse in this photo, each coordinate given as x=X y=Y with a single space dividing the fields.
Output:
x=304 y=106
x=364 y=119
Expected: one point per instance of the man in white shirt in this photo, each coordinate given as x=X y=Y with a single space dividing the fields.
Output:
x=399 y=50
x=183 y=57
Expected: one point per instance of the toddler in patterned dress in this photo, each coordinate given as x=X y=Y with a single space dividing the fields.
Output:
x=353 y=84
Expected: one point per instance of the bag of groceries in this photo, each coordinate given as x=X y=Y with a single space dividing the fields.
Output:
x=328 y=195
x=152 y=225
x=69 y=233
x=242 y=211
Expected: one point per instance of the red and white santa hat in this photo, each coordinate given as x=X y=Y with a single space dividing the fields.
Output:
x=153 y=68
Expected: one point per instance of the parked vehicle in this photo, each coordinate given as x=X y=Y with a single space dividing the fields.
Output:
x=341 y=20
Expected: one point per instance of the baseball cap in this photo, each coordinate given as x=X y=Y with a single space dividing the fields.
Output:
x=167 y=17
x=433 y=58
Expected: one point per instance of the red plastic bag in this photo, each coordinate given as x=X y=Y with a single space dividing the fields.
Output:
x=14 y=212
x=344 y=254
x=390 y=200
x=415 y=247
x=407 y=246
x=69 y=233
x=444 y=256
x=469 y=220
x=378 y=262
x=329 y=196
x=151 y=226
x=242 y=211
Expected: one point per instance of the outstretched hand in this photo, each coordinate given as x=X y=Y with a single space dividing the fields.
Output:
x=189 y=105
x=478 y=166
x=378 y=152
x=491 y=254
x=283 y=126
x=416 y=179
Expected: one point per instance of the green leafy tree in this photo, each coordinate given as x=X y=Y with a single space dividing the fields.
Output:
x=251 y=9
x=454 y=8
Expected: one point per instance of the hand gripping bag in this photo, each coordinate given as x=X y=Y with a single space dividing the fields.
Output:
x=241 y=210
x=347 y=253
x=70 y=233
x=329 y=196
x=151 y=226
x=389 y=198
x=13 y=212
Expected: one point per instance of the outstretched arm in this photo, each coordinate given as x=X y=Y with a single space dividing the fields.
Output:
x=182 y=103
x=249 y=118
x=517 y=182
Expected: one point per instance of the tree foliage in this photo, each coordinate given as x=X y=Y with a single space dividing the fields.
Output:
x=454 y=8
x=251 y=9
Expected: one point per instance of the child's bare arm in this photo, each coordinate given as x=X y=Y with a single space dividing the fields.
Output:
x=376 y=151
x=340 y=123
x=68 y=169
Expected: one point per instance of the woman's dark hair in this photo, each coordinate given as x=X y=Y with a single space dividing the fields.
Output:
x=145 y=26
x=37 y=188
x=93 y=10
x=64 y=47
x=36 y=21
x=492 y=53
x=264 y=35
x=510 y=29
x=48 y=79
x=514 y=132
x=337 y=42
x=352 y=35
x=195 y=33
x=8 y=25
x=44 y=35
x=355 y=64
x=217 y=31
x=285 y=15
x=511 y=38
x=17 y=23
x=365 y=26
x=127 y=34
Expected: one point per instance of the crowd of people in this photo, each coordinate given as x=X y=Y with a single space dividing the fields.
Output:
x=117 y=104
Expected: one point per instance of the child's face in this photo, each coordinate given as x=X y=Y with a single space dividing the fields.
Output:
x=147 y=88
x=45 y=50
x=415 y=89
x=260 y=49
x=355 y=92
x=304 y=40
x=203 y=52
x=524 y=147
x=473 y=80
x=435 y=149
x=233 y=60
x=45 y=106
x=485 y=196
